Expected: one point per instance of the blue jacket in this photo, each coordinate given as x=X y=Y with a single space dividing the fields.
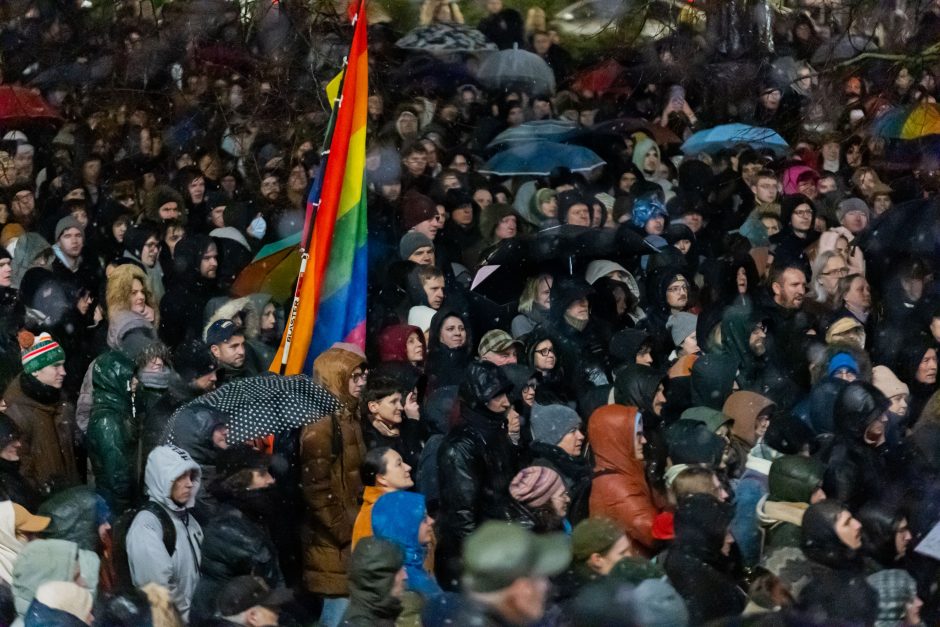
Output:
x=396 y=517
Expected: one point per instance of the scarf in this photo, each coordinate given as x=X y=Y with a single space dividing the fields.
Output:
x=384 y=429
x=575 y=323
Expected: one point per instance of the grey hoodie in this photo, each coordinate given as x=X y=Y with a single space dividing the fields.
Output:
x=147 y=557
x=50 y=560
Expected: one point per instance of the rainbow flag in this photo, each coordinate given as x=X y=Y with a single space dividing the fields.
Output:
x=330 y=299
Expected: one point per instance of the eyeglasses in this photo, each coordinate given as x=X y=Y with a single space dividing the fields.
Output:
x=360 y=377
x=545 y=352
x=803 y=213
x=837 y=272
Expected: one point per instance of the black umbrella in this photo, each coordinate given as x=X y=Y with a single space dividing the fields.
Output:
x=267 y=404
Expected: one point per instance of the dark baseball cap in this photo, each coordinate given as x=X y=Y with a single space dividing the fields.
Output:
x=245 y=592
x=222 y=331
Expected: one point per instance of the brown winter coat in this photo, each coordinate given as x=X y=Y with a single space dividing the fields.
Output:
x=331 y=452
x=619 y=490
x=47 y=451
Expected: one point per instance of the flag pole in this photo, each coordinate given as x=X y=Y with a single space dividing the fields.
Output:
x=310 y=219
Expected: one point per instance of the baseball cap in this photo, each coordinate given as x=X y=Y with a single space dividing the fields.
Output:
x=497 y=341
x=247 y=591
x=497 y=554
x=27 y=522
x=221 y=331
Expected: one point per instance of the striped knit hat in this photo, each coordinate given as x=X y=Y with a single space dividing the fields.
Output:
x=43 y=352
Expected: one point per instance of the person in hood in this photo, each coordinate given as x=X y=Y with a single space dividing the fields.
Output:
x=48 y=560
x=579 y=340
x=238 y=539
x=203 y=433
x=172 y=480
x=898 y=600
x=830 y=543
x=856 y=469
x=794 y=483
x=46 y=421
x=196 y=261
x=59 y=604
x=798 y=214
x=377 y=578
x=744 y=338
x=620 y=490
x=142 y=244
x=16 y=487
x=476 y=464
x=331 y=453
x=402 y=518
x=113 y=431
x=402 y=343
x=450 y=348
x=699 y=563
x=916 y=365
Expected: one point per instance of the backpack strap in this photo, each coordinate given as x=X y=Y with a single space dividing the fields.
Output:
x=166 y=523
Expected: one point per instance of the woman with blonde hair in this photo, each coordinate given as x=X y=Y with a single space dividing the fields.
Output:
x=437 y=11
x=131 y=303
x=535 y=21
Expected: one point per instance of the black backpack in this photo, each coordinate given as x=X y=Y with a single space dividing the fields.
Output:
x=122 y=568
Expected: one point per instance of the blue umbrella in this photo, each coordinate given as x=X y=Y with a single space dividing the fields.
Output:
x=727 y=135
x=546 y=130
x=539 y=158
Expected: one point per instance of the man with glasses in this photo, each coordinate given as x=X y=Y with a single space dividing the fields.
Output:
x=142 y=244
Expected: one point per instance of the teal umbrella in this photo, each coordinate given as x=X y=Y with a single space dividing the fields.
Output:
x=727 y=135
x=539 y=158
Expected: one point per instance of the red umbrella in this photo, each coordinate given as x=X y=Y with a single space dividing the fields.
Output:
x=19 y=106
x=604 y=78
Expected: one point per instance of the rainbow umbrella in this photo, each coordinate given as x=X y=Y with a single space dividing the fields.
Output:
x=911 y=122
x=273 y=270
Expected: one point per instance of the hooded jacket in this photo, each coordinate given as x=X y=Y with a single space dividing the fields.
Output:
x=476 y=464
x=695 y=564
x=855 y=470
x=47 y=425
x=393 y=342
x=182 y=307
x=446 y=366
x=396 y=517
x=10 y=545
x=191 y=430
x=744 y=407
x=712 y=379
x=47 y=560
x=113 y=432
x=372 y=571
x=582 y=351
x=792 y=481
x=148 y=558
x=331 y=452
x=619 y=490
x=76 y=514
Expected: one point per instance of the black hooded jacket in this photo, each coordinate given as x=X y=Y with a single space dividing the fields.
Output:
x=855 y=470
x=446 y=366
x=372 y=570
x=476 y=464
x=695 y=564
x=182 y=307
x=582 y=351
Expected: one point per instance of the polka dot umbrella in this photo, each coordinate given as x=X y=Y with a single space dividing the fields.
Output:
x=267 y=404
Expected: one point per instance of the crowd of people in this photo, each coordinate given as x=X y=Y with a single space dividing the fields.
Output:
x=673 y=389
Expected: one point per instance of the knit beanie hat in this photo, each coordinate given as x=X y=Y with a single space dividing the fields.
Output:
x=193 y=360
x=658 y=604
x=550 y=423
x=5 y=254
x=896 y=589
x=41 y=351
x=535 y=485
x=851 y=205
x=842 y=360
x=593 y=535
x=887 y=382
x=645 y=208
x=412 y=241
x=66 y=223
x=681 y=325
x=67 y=597
x=416 y=208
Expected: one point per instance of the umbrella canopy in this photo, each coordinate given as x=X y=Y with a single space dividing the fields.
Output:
x=548 y=130
x=607 y=77
x=273 y=270
x=19 y=106
x=842 y=48
x=539 y=158
x=714 y=139
x=426 y=75
x=266 y=405
x=517 y=69
x=628 y=126
x=914 y=122
x=445 y=37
